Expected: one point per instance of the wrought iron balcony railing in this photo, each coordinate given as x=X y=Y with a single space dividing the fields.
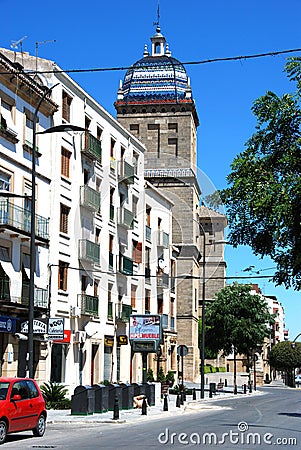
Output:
x=89 y=304
x=126 y=172
x=90 y=198
x=88 y=251
x=163 y=239
x=20 y=218
x=126 y=218
x=148 y=233
x=40 y=296
x=126 y=265
x=124 y=313
x=91 y=146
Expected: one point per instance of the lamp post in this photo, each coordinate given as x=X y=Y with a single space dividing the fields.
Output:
x=203 y=311
x=60 y=128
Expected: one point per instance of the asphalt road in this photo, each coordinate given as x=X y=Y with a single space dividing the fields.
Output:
x=265 y=421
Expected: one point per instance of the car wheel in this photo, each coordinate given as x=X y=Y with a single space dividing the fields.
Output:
x=40 y=428
x=3 y=431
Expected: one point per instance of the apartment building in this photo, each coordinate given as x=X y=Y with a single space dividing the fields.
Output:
x=94 y=259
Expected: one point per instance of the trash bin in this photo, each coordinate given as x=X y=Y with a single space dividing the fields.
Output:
x=83 y=400
x=150 y=393
x=127 y=395
x=101 y=398
x=212 y=388
x=138 y=389
x=115 y=390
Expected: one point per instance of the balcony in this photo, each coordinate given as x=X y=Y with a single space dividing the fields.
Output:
x=125 y=265
x=147 y=275
x=111 y=261
x=89 y=304
x=163 y=239
x=112 y=213
x=15 y=218
x=148 y=233
x=164 y=321
x=124 y=313
x=163 y=280
x=172 y=285
x=88 y=251
x=91 y=147
x=125 y=218
x=90 y=198
x=110 y=310
x=126 y=172
x=5 y=289
x=40 y=296
x=172 y=324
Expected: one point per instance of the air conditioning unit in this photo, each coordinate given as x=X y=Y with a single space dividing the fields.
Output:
x=75 y=311
x=80 y=337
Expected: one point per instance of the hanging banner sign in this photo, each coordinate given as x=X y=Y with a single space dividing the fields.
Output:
x=145 y=327
x=122 y=339
x=56 y=328
x=39 y=326
x=7 y=324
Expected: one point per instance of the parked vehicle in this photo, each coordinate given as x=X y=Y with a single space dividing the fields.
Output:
x=22 y=407
x=298 y=379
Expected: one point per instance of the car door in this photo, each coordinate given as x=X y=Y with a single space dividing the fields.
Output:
x=35 y=402
x=20 y=414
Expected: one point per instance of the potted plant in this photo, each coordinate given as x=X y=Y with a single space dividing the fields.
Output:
x=170 y=378
x=150 y=376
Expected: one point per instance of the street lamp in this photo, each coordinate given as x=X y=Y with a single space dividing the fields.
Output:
x=202 y=231
x=59 y=128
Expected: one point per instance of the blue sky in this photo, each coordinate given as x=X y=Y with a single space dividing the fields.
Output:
x=97 y=34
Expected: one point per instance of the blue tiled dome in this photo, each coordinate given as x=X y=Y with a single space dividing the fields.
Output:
x=156 y=78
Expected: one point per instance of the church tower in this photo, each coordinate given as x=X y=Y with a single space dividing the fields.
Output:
x=155 y=103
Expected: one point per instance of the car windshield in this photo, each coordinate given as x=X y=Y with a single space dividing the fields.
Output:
x=3 y=390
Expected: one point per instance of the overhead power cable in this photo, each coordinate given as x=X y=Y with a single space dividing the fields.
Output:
x=204 y=61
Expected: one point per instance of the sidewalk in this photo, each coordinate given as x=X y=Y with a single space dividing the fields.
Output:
x=153 y=412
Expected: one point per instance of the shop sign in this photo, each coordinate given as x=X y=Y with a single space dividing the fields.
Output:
x=66 y=340
x=56 y=328
x=109 y=341
x=39 y=326
x=7 y=324
x=122 y=339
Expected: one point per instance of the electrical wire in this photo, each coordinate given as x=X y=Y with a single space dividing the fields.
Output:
x=204 y=61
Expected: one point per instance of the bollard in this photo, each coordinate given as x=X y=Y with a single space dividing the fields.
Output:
x=193 y=394
x=144 y=407
x=210 y=390
x=178 y=402
x=235 y=389
x=226 y=383
x=182 y=398
x=250 y=387
x=116 y=409
x=245 y=388
x=165 y=403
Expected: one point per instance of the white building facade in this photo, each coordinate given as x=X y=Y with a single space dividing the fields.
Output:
x=93 y=261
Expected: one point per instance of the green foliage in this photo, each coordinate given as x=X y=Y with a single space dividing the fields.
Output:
x=284 y=357
x=150 y=375
x=209 y=354
x=105 y=382
x=55 y=396
x=170 y=377
x=237 y=319
x=161 y=376
x=263 y=197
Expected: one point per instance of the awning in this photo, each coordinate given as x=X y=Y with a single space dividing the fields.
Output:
x=38 y=281
x=14 y=277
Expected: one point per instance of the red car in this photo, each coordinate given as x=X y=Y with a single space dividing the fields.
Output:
x=22 y=407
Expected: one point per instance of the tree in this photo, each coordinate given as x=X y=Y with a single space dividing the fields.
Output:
x=286 y=358
x=263 y=197
x=237 y=321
